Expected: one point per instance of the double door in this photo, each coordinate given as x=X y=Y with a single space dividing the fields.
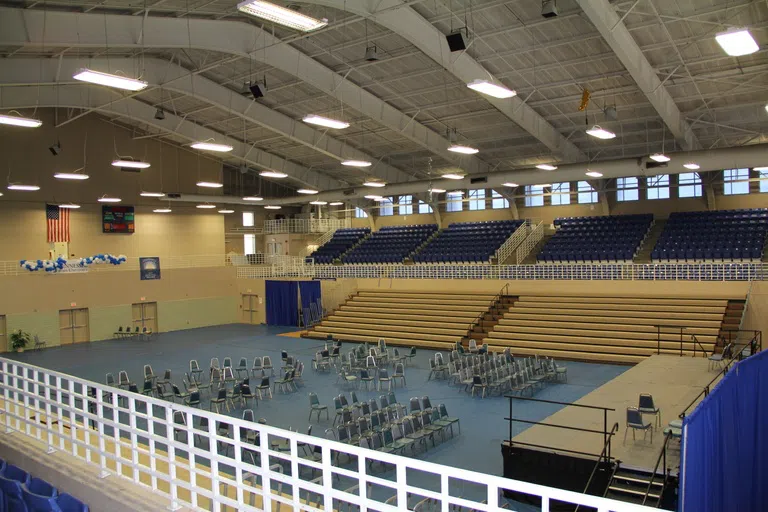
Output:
x=144 y=315
x=73 y=326
x=250 y=307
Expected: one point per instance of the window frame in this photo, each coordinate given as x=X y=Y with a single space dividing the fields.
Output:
x=590 y=194
x=360 y=213
x=405 y=208
x=476 y=199
x=695 y=184
x=496 y=199
x=453 y=205
x=559 y=196
x=738 y=182
x=387 y=207
x=624 y=189
x=247 y=246
x=534 y=196
x=659 y=189
x=425 y=208
x=249 y=223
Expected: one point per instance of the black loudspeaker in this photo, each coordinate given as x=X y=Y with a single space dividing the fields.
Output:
x=456 y=41
x=257 y=91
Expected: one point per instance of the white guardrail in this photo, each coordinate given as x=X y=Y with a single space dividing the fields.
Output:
x=304 y=225
x=243 y=466
x=525 y=248
x=509 y=246
x=548 y=272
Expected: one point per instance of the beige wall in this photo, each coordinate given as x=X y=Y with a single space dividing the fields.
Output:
x=756 y=316
x=187 y=230
x=186 y=298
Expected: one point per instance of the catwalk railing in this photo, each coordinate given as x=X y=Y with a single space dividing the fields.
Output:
x=575 y=272
x=160 y=445
x=304 y=225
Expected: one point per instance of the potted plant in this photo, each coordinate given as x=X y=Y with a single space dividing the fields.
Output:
x=20 y=339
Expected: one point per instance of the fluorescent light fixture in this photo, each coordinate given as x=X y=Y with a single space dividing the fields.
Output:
x=70 y=206
x=152 y=194
x=107 y=199
x=272 y=207
x=766 y=107
x=374 y=197
x=209 y=184
x=25 y=188
x=594 y=174
x=326 y=122
x=273 y=174
x=319 y=203
x=226 y=211
x=600 y=133
x=510 y=184
x=374 y=184
x=491 y=89
x=464 y=150
x=24 y=122
x=206 y=206
x=692 y=166
x=281 y=15
x=437 y=190
x=737 y=42
x=336 y=203
x=660 y=157
x=110 y=80
x=544 y=185
x=760 y=168
x=253 y=198
x=356 y=163
x=70 y=176
x=212 y=146
x=546 y=167
x=453 y=176
x=307 y=191
x=131 y=164
x=162 y=210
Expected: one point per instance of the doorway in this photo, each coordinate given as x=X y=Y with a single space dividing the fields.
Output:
x=250 y=306
x=144 y=315
x=73 y=326
x=3 y=339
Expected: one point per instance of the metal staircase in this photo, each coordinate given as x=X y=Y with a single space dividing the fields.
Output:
x=632 y=485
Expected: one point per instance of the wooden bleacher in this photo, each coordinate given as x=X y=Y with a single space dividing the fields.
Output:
x=423 y=319
x=610 y=329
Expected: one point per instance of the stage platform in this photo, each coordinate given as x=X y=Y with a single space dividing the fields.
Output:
x=672 y=380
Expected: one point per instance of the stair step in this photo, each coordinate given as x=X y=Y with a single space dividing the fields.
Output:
x=635 y=491
x=637 y=479
x=627 y=498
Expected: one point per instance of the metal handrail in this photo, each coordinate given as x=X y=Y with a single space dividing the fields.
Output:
x=606 y=446
x=662 y=454
x=504 y=291
x=696 y=342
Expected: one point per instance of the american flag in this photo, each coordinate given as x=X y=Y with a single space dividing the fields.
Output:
x=57 y=220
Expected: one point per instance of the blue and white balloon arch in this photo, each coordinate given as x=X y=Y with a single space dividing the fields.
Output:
x=60 y=263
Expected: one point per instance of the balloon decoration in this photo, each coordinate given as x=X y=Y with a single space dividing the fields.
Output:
x=59 y=263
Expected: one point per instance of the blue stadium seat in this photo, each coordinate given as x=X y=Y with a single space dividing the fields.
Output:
x=68 y=503
x=11 y=481
x=341 y=242
x=391 y=244
x=40 y=496
x=467 y=242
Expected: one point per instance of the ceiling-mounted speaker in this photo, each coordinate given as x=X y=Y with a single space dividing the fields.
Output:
x=159 y=114
x=55 y=149
x=456 y=41
x=257 y=90
x=610 y=113
x=549 y=8
x=371 y=53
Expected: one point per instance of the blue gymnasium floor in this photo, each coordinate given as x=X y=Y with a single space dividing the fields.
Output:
x=483 y=427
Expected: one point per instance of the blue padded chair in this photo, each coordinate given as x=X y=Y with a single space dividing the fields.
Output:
x=11 y=481
x=40 y=496
x=68 y=503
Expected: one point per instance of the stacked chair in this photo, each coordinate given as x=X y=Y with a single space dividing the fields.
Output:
x=391 y=244
x=718 y=235
x=586 y=239
x=467 y=242
x=341 y=242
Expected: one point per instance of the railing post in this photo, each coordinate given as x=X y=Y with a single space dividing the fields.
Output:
x=605 y=428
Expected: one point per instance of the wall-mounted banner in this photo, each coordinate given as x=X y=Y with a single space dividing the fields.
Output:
x=149 y=268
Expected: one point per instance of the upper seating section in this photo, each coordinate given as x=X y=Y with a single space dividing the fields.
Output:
x=717 y=235
x=614 y=238
x=391 y=244
x=472 y=242
x=341 y=241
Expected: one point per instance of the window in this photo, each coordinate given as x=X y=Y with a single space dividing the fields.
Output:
x=386 y=207
x=763 y=181
x=587 y=194
x=658 y=186
x=735 y=181
x=360 y=213
x=248 y=220
x=424 y=207
x=405 y=205
x=561 y=194
x=627 y=189
x=498 y=202
x=477 y=199
x=249 y=244
x=534 y=195
x=454 y=203
x=689 y=184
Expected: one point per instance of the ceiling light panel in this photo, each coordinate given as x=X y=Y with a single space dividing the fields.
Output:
x=110 y=80
x=325 y=122
x=281 y=15
x=23 y=122
x=491 y=89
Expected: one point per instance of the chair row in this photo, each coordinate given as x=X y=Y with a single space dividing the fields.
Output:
x=20 y=492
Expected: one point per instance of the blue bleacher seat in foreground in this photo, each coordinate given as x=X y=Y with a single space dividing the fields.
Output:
x=11 y=481
x=68 y=503
x=40 y=496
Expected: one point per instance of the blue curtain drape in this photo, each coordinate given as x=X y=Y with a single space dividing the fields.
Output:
x=310 y=293
x=282 y=302
x=725 y=452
